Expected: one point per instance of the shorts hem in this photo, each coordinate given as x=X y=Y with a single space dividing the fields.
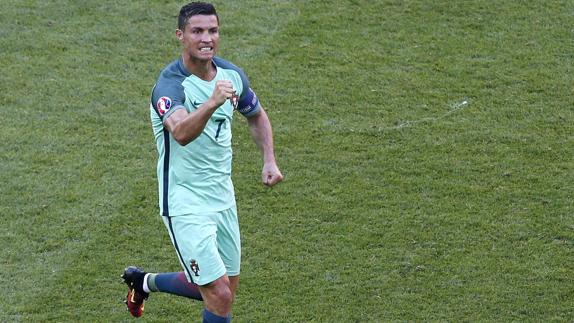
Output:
x=204 y=281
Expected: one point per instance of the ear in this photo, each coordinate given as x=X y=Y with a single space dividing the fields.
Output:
x=179 y=34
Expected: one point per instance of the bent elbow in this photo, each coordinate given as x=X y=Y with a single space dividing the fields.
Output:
x=184 y=136
x=183 y=140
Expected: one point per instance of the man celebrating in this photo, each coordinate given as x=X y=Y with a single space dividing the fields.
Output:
x=191 y=111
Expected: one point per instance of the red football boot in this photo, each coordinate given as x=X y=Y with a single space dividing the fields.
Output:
x=133 y=277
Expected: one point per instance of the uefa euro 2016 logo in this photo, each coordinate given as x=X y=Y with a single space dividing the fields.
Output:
x=163 y=105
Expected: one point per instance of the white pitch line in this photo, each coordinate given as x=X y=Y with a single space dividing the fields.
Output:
x=457 y=107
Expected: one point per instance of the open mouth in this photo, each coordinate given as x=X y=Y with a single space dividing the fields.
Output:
x=206 y=49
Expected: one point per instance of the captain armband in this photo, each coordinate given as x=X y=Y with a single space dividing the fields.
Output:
x=248 y=103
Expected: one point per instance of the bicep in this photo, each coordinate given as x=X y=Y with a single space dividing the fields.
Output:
x=174 y=118
x=259 y=122
x=253 y=118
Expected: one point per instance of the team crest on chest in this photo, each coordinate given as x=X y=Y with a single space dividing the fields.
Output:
x=234 y=101
x=163 y=105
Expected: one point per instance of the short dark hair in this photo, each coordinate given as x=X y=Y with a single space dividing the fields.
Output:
x=192 y=9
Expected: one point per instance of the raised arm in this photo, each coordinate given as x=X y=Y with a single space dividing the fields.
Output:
x=185 y=126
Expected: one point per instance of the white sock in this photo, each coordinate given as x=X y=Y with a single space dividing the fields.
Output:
x=145 y=286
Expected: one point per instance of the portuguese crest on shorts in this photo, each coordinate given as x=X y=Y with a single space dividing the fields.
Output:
x=194 y=267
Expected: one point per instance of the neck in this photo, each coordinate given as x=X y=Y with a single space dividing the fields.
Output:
x=204 y=69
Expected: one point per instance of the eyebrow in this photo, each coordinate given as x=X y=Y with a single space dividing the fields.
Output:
x=203 y=28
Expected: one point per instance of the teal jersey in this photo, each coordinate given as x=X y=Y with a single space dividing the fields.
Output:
x=196 y=178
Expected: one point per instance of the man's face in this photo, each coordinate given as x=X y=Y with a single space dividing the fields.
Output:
x=200 y=37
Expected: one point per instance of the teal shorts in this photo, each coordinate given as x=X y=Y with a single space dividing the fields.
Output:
x=208 y=245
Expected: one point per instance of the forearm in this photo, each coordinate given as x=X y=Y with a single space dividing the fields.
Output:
x=187 y=127
x=262 y=134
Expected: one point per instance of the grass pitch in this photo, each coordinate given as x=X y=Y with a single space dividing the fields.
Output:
x=401 y=202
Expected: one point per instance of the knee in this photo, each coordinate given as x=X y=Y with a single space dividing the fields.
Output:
x=218 y=297
x=225 y=296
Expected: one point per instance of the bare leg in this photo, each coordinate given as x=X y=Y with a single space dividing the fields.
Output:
x=218 y=295
x=233 y=283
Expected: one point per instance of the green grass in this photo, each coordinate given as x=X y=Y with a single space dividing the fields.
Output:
x=400 y=203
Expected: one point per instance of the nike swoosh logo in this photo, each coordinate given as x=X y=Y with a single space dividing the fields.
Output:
x=196 y=104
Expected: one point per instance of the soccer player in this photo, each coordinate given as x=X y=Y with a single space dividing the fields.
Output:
x=192 y=106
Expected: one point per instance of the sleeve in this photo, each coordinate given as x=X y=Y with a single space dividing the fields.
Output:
x=167 y=96
x=248 y=102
